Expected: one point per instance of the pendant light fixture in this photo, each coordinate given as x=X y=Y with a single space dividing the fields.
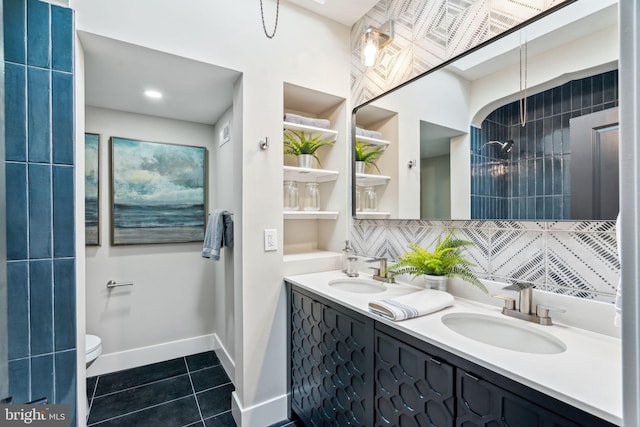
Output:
x=374 y=39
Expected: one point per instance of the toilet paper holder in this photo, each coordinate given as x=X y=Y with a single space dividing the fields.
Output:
x=113 y=284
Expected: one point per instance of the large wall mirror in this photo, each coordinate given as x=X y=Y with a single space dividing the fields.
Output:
x=522 y=128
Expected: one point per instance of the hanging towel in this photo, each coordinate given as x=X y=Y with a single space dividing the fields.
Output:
x=219 y=233
x=412 y=305
x=617 y=321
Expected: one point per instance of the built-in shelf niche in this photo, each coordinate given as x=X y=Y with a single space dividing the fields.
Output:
x=386 y=180
x=309 y=234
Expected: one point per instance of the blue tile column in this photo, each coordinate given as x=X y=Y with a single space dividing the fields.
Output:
x=39 y=134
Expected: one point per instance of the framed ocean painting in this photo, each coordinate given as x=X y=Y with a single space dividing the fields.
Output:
x=92 y=189
x=157 y=192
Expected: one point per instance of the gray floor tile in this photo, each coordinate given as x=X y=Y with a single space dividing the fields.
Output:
x=139 y=376
x=179 y=412
x=208 y=378
x=215 y=401
x=134 y=399
x=202 y=360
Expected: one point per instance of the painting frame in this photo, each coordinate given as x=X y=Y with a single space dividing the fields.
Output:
x=158 y=192
x=92 y=223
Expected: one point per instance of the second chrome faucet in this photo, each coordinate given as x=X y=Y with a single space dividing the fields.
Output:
x=380 y=273
x=541 y=315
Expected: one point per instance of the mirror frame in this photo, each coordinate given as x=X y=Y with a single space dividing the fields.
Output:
x=512 y=30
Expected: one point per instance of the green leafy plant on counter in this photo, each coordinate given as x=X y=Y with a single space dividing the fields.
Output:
x=446 y=260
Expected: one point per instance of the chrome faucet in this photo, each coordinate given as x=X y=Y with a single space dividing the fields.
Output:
x=541 y=315
x=379 y=272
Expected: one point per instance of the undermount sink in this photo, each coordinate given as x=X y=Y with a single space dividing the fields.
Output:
x=503 y=333
x=357 y=286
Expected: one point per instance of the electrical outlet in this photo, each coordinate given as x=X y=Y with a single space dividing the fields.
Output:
x=270 y=239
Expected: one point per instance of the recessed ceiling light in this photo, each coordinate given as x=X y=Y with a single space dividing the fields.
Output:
x=154 y=94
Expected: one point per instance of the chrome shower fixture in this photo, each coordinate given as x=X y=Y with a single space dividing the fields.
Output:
x=505 y=147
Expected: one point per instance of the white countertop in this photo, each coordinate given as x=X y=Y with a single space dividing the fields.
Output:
x=588 y=375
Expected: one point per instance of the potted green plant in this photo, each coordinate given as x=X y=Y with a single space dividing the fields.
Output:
x=304 y=146
x=445 y=261
x=367 y=155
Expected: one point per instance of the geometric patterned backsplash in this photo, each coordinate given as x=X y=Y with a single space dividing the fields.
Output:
x=428 y=33
x=577 y=258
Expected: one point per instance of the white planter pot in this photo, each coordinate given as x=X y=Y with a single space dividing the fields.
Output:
x=305 y=161
x=436 y=282
x=359 y=167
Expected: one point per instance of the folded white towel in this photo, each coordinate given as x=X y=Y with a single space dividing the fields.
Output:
x=412 y=305
x=307 y=121
x=368 y=133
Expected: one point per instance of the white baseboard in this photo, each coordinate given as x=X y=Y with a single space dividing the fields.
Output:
x=112 y=362
x=227 y=362
x=263 y=414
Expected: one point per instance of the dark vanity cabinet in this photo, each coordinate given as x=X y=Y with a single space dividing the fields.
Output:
x=412 y=388
x=331 y=364
x=481 y=403
x=348 y=370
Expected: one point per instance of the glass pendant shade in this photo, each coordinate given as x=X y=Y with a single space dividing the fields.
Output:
x=369 y=47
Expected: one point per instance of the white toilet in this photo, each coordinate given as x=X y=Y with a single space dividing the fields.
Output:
x=93 y=349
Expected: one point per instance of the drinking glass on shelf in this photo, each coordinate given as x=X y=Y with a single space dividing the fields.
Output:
x=358 y=200
x=370 y=199
x=291 y=196
x=311 y=196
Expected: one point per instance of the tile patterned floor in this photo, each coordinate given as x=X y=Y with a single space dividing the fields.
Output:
x=191 y=391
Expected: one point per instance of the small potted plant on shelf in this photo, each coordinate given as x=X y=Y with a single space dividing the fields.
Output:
x=367 y=155
x=445 y=261
x=304 y=146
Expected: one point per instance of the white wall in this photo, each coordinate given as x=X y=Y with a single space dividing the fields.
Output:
x=441 y=98
x=309 y=51
x=226 y=195
x=174 y=287
x=587 y=56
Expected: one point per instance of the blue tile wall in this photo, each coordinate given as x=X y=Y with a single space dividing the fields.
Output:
x=533 y=181
x=39 y=125
x=18 y=310
x=14 y=30
x=17 y=214
x=38 y=33
x=15 y=81
x=38 y=46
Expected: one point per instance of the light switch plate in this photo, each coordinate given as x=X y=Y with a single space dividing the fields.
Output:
x=270 y=239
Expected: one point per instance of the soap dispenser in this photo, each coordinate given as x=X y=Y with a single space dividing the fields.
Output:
x=346 y=253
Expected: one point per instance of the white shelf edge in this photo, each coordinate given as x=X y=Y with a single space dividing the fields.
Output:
x=327 y=134
x=311 y=214
x=294 y=173
x=372 y=141
x=317 y=254
x=363 y=179
x=372 y=215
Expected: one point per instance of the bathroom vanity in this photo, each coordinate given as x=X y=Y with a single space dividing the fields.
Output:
x=351 y=367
